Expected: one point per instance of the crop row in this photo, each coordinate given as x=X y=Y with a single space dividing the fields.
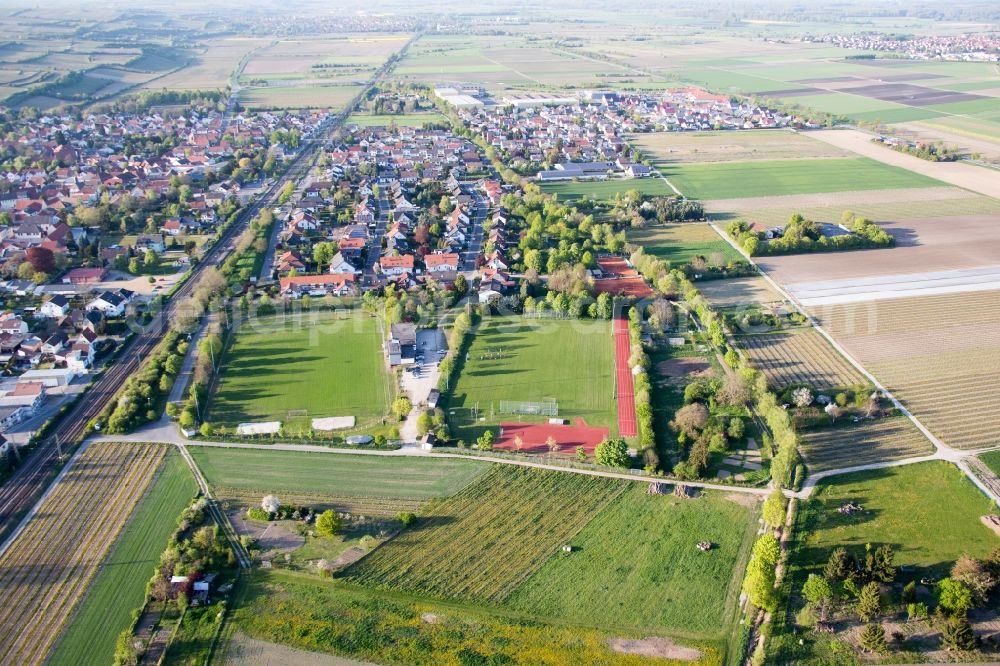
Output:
x=806 y=357
x=863 y=443
x=485 y=541
x=907 y=315
x=49 y=565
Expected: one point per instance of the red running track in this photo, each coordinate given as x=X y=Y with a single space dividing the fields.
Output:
x=626 y=390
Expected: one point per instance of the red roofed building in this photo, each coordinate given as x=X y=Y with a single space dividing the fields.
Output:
x=84 y=276
x=441 y=262
x=340 y=284
x=401 y=265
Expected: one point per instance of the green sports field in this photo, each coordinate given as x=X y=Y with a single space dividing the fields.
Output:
x=120 y=586
x=515 y=358
x=333 y=474
x=604 y=190
x=324 y=363
x=739 y=180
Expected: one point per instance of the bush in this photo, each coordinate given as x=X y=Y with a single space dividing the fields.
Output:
x=257 y=513
x=612 y=453
x=328 y=523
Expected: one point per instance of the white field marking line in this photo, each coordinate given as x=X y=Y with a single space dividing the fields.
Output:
x=664 y=179
x=943 y=451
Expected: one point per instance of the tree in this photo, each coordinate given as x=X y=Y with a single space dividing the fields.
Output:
x=612 y=453
x=205 y=429
x=774 y=509
x=690 y=419
x=461 y=284
x=869 y=602
x=485 y=441
x=328 y=523
x=954 y=597
x=126 y=653
x=767 y=548
x=187 y=420
x=802 y=397
x=423 y=423
x=735 y=429
x=976 y=576
x=270 y=503
x=581 y=454
x=401 y=407
x=878 y=564
x=407 y=518
x=817 y=590
x=551 y=443
x=734 y=392
x=839 y=566
x=957 y=634
x=42 y=259
x=872 y=638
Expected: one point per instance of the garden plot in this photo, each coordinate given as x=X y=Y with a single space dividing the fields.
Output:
x=680 y=243
x=739 y=292
x=799 y=357
x=49 y=565
x=851 y=444
x=940 y=355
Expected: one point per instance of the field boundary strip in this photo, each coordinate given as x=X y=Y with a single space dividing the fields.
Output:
x=624 y=388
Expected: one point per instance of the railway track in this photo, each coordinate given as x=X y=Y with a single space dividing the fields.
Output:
x=33 y=474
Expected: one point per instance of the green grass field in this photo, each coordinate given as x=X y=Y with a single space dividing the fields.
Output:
x=604 y=190
x=680 y=243
x=780 y=177
x=120 y=585
x=569 y=360
x=392 y=628
x=326 y=364
x=334 y=474
x=929 y=512
x=482 y=543
x=637 y=566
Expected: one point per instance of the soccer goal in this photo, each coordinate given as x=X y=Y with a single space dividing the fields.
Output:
x=297 y=412
x=545 y=408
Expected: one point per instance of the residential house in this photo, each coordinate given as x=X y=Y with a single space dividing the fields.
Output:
x=341 y=284
x=54 y=308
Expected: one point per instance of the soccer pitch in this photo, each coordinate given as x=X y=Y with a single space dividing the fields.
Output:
x=516 y=358
x=300 y=367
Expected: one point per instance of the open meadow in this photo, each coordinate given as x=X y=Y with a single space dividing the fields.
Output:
x=929 y=512
x=739 y=292
x=49 y=566
x=635 y=566
x=297 y=368
x=680 y=243
x=382 y=627
x=484 y=542
x=120 y=585
x=939 y=355
x=517 y=358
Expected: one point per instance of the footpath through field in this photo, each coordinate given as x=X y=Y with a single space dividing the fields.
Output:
x=623 y=382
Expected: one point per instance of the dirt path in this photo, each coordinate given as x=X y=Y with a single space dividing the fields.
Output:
x=978 y=179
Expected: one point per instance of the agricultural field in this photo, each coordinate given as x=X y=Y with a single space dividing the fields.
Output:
x=212 y=67
x=517 y=358
x=339 y=619
x=799 y=357
x=928 y=511
x=312 y=365
x=399 y=120
x=49 y=566
x=294 y=473
x=120 y=585
x=604 y=190
x=298 y=96
x=739 y=292
x=851 y=444
x=680 y=243
x=484 y=542
x=346 y=56
x=636 y=566
x=930 y=255
x=893 y=205
x=939 y=355
x=665 y=148
x=783 y=177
